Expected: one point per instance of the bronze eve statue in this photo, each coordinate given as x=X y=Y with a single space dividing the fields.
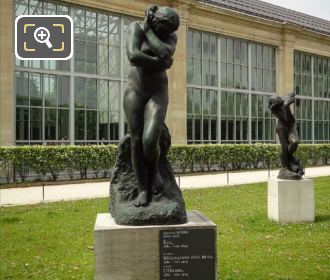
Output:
x=150 y=47
x=286 y=130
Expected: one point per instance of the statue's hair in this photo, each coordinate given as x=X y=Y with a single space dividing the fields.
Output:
x=171 y=17
x=274 y=101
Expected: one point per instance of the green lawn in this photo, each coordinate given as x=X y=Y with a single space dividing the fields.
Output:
x=54 y=241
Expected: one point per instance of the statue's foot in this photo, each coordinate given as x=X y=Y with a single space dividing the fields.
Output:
x=141 y=200
x=157 y=183
x=296 y=168
x=287 y=174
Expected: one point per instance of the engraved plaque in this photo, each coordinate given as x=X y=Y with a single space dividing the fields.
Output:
x=187 y=254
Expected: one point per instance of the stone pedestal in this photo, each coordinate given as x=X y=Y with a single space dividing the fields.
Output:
x=291 y=201
x=133 y=252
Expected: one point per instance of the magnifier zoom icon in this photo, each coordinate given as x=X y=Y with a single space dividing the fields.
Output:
x=41 y=35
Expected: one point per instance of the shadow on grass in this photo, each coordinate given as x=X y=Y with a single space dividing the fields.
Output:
x=10 y=220
x=322 y=218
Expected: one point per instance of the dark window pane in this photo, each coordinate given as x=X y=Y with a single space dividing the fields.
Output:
x=223 y=129
x=205 y=129
x=265 y=58
x=36 y=124
x=22 y=124
x=103 y=58
x=91 y=125
x=214 y=129
x=22 y=88
x=206 y=102
x=190 y=98
x=244 y=77
x=197 y=102
x=198 y=71
x=114 y=96
x=244 y=53
x=214 y=103
x=259 y=56
x=63 y=124
x=63 y=91
x=91 y=58
x=213 y=46
x=206 y=46
x=35 y=92
x=189 y=129
x=223 y=75
x=230 y=75
x=230 y=51
x=90 y=26
x=91 y=94
x=237 y=51
x=79 y=24
x=223 y=48
x=103 y=96
x=237 y=76
x=104 y=125
x=114 y=126
x=190 y=71
x=79 y=122
x=197 y=45
x=190 y=43
x=197 y=129
x=114 y=29
x=50 y=90
x=79 y=55
x=230 y=126
x=114 y=61
x=50 y=124
x=80 y=92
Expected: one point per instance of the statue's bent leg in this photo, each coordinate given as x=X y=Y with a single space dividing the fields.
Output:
x=154 y=118
x=293 y=141
x=284 y=156
x=134 y=109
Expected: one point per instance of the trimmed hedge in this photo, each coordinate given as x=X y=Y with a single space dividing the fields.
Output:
x=48 y=162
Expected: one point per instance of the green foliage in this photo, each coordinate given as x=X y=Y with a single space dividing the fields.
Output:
x=241 y=156
x=47 y=162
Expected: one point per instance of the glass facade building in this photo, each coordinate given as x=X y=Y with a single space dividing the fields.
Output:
x=312 y=83
x=224 y=84
x=229 y=83
x=76 y=101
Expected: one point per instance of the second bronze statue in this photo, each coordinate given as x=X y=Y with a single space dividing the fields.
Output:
x=286 y=130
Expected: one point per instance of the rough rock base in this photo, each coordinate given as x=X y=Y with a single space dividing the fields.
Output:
x=167 y=207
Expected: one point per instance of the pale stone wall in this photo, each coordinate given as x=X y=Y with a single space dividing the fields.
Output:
x=7 y=125
x=195 y=15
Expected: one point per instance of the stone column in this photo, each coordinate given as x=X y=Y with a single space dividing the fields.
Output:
x=285 y=63
x=177 y=84
x=7 y=125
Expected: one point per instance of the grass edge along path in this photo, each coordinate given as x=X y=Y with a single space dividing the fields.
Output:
x=55 y=240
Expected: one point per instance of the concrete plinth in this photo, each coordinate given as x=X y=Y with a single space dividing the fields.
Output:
x=133 y=252
x=291 y=201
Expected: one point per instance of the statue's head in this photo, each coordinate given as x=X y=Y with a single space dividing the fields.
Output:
x=164 y=20
x=275 y=103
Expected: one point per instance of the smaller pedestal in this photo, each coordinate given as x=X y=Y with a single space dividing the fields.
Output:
x=165 y=252
x=291 y=201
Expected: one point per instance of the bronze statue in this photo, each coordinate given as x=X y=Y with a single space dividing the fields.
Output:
x=286 y=130
x=150 y=47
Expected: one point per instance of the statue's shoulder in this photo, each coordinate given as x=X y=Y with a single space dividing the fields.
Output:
x=135 y=26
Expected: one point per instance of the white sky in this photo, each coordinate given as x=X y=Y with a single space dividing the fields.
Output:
x=317 y=8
